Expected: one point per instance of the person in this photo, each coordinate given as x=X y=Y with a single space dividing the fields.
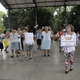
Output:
x=14 y=42
x=1 y=42
x=46 y=42
x=5 y=41
x=69 y=51
x=61 y=33
x=39 y=37
x=56 y=36
x=29 y=42
x=78 y=35
x=19 y=37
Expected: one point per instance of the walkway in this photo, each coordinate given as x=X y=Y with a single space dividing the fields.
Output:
x=39 y=68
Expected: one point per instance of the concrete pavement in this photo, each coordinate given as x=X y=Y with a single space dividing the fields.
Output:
x=39 y=68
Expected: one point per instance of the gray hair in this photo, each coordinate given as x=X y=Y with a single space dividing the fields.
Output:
x=72 y=28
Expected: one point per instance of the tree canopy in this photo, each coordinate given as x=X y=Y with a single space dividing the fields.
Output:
x=45 y=16
x=1 y=20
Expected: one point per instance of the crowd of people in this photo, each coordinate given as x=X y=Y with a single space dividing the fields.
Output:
x=25 y=39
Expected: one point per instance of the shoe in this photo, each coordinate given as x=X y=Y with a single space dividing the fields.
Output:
x=71 y=69
x=12 y=56
x=48 y=55
x=31 y=57
x=66 y=72
x=7 y=52
x=26 y=58
x=19 y=53
x=44 y=55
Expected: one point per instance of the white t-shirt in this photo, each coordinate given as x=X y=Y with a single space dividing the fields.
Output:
x=14 y=37
x=1 y=36
x=46 y=36
x=19 y=38
x=69 y=49
x=29 y=38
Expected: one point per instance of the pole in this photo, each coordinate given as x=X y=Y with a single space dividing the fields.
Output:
x=9 y=19
x=36 y=17
x=65 y=13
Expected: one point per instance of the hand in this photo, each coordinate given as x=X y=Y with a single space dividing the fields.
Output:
x=50 y=28
x=42 y=28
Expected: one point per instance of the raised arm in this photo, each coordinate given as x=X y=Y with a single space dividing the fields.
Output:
x=51 y=30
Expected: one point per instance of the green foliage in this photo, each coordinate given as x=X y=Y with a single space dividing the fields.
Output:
x=26 y=17
x=45 y=16
x=74 y=18
x=1 y=20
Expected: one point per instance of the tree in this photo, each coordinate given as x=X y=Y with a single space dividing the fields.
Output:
x=1 y=20
x=74 y=18
x=26 y=17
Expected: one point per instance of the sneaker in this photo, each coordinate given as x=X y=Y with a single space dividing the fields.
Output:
x=66 y=72
x=48 y=55
x=26 y=58
x=71 y=69
x=31 y=57
x=12 y=56
x=7 y=52
x=44 y=55
x=19 y=53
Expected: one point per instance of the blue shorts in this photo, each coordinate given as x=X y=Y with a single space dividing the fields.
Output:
x=14 y=45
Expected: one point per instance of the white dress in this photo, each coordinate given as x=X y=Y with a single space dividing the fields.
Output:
x=46 y=42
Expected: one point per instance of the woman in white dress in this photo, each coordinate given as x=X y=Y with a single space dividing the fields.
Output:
x=46 y=42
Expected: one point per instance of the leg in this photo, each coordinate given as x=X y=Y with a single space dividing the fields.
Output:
x=71 y=60
x=26 y=53
x=16 y=48
x=26 y=50
x=48 y=52
x=44 y=52
x=30 y=49
x=66 y=60
x=59 y=46
x=1 y=50
x=38 y=47
x=12 y=49
x=12 y=54
x=31 y=54
x=6 y=49
x=22 y=43
x=17 y=53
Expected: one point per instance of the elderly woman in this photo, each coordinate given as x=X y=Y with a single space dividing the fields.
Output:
x=46 y=42
x=69 y=50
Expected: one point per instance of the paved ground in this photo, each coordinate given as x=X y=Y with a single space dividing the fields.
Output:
x=39 y=68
